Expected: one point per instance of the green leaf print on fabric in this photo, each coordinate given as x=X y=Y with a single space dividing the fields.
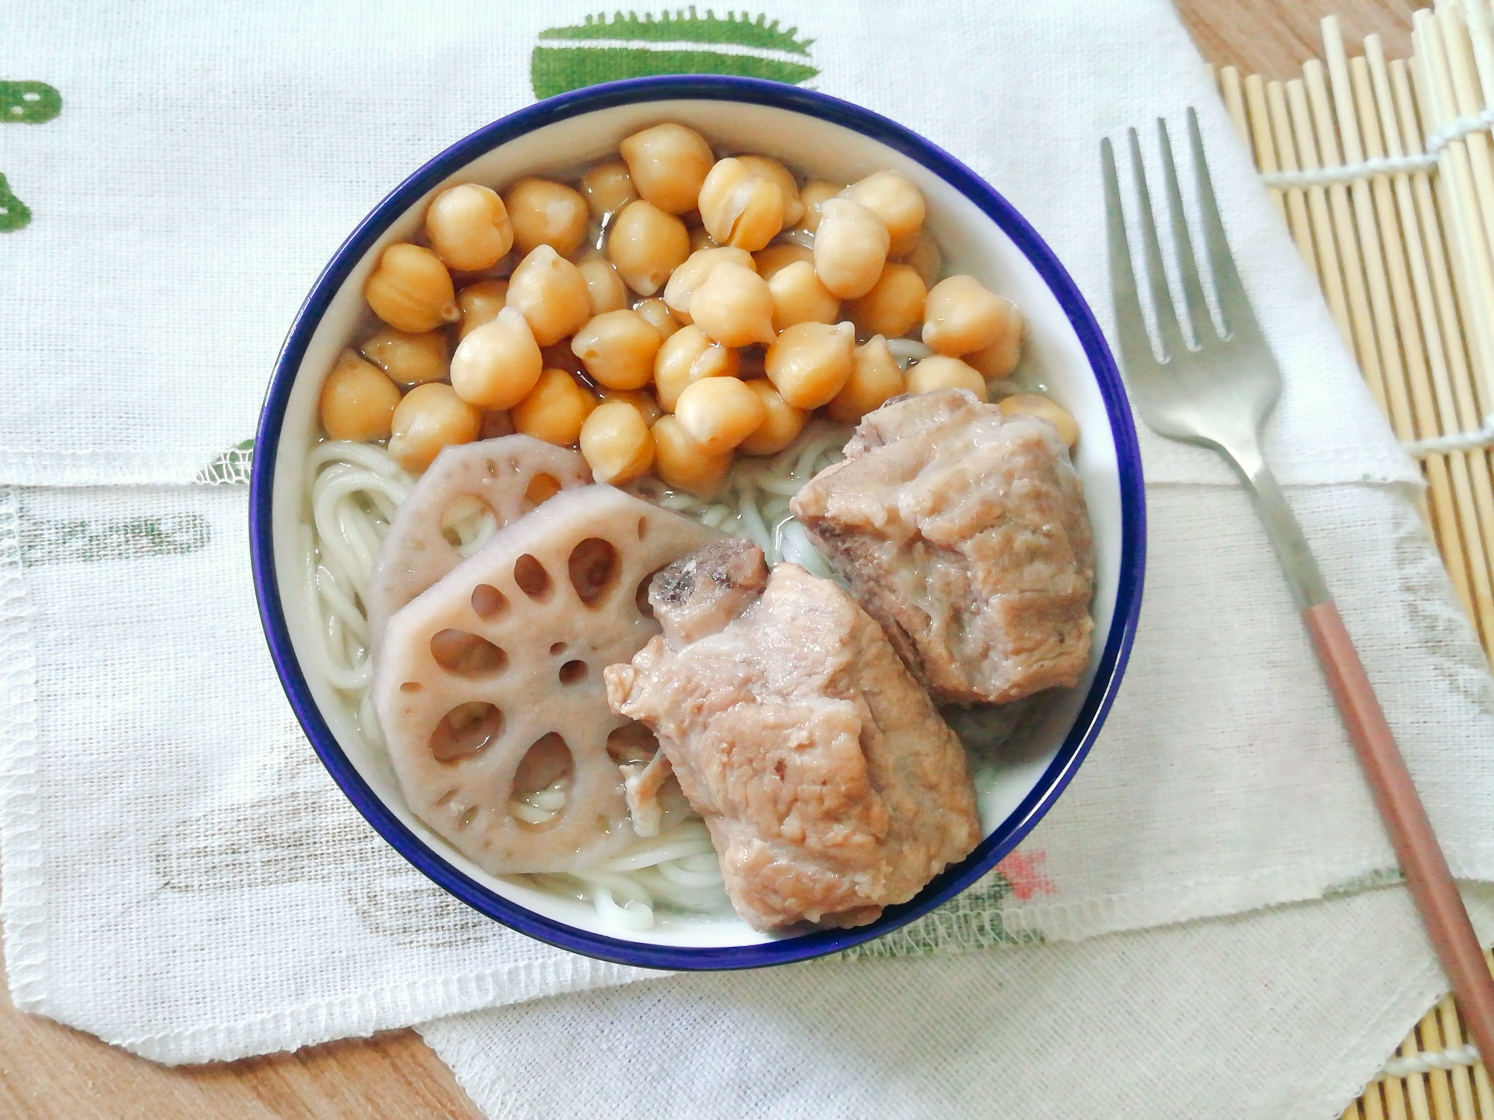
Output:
x=685 y=26
x=23 y=103
x=634 y=46
x=46 y=541
x=28 y=102
x=971 y=920
x=14 y=214
x=231 y=468
x=1380 y=877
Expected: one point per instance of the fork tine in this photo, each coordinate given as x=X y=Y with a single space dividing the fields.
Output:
x=1130 y=326
x=1234 y=306
x=1197 y=309
x=1167 y=318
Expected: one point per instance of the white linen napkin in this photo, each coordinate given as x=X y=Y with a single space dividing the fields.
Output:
x=1284 y=1014
x=180 y=876
x=205 y=167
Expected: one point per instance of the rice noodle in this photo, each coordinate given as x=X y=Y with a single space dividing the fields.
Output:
x=352 y=493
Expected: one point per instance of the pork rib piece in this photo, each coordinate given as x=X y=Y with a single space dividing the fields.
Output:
x=509 y=475
x=964 y=533
x=830 y=785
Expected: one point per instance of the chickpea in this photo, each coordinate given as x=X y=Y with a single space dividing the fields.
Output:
x=719 y=413
x=815 y=192
x=605 y=290
x=875 y=380
x=893 y=306
x=740 y=207
x=411 y=289
x=496 y=365
x=646 y=245
x=551 y=293
x=850 y=248
x=688 y=356
x=1001 y=357
x=960 y=316
x=616 y=443
x=608 y=188
x=781 y=425
x=357 y=401
x=941 y=372
x=693 y=273
x=924 y=258
x=468 y=227
x=734 y=306
x=775 y=258
x=480 y=303
x=799 y=297
x=769 y=168
x=618 y=348
x=682 y=463
x=1044 y=408
x=809 y=363
x=430 y=417
x=641 y=399
x=554 y=409
x=668 y=163
x=657 y=314
x=408 y=359
x=546 y=213
x=896 y=201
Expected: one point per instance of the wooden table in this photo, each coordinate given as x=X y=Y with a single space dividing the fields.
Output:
x=48 y=1070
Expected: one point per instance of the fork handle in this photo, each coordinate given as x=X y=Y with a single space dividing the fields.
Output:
x=1416 y=848
x=1421 y=859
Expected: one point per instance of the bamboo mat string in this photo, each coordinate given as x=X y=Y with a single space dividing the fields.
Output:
x=1383 y=170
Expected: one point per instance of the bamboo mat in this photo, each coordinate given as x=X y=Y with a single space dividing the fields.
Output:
x=1384 y=172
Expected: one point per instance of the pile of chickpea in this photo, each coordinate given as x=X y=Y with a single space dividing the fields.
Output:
x=697 y=324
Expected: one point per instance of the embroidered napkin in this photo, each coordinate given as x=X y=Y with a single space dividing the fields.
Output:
x=180 y=876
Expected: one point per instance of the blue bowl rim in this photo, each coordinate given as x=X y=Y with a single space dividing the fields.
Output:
x=1113 y=656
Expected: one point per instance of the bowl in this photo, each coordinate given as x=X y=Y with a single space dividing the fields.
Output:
x=980 y=232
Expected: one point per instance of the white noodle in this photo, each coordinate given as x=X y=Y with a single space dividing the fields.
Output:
x=352 y=493
x=905 y=350
x=634 y=915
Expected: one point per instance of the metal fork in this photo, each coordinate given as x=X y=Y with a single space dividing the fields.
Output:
x=1218 y=393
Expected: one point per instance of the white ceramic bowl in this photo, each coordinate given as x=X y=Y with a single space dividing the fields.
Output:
x=980 y=234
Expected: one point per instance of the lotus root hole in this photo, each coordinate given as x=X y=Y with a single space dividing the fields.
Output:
x=542 y=487
x=642 y=527
x=532 y=578
x=573 y=672
x=594 y=569
x=540 y=782
x=465 y=731
x=412 y=686
x=488 y=602
x=632 y=742
x=558 y=648
x=640 y=597
x=467 y=524
x=467 y=655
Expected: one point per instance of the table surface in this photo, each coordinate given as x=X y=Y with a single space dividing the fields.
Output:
x=48 y=1070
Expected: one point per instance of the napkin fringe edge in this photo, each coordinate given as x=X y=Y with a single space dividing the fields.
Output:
x=23 y=899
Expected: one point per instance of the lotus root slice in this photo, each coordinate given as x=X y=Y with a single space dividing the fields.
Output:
x=509 y=475
x=490 y=683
